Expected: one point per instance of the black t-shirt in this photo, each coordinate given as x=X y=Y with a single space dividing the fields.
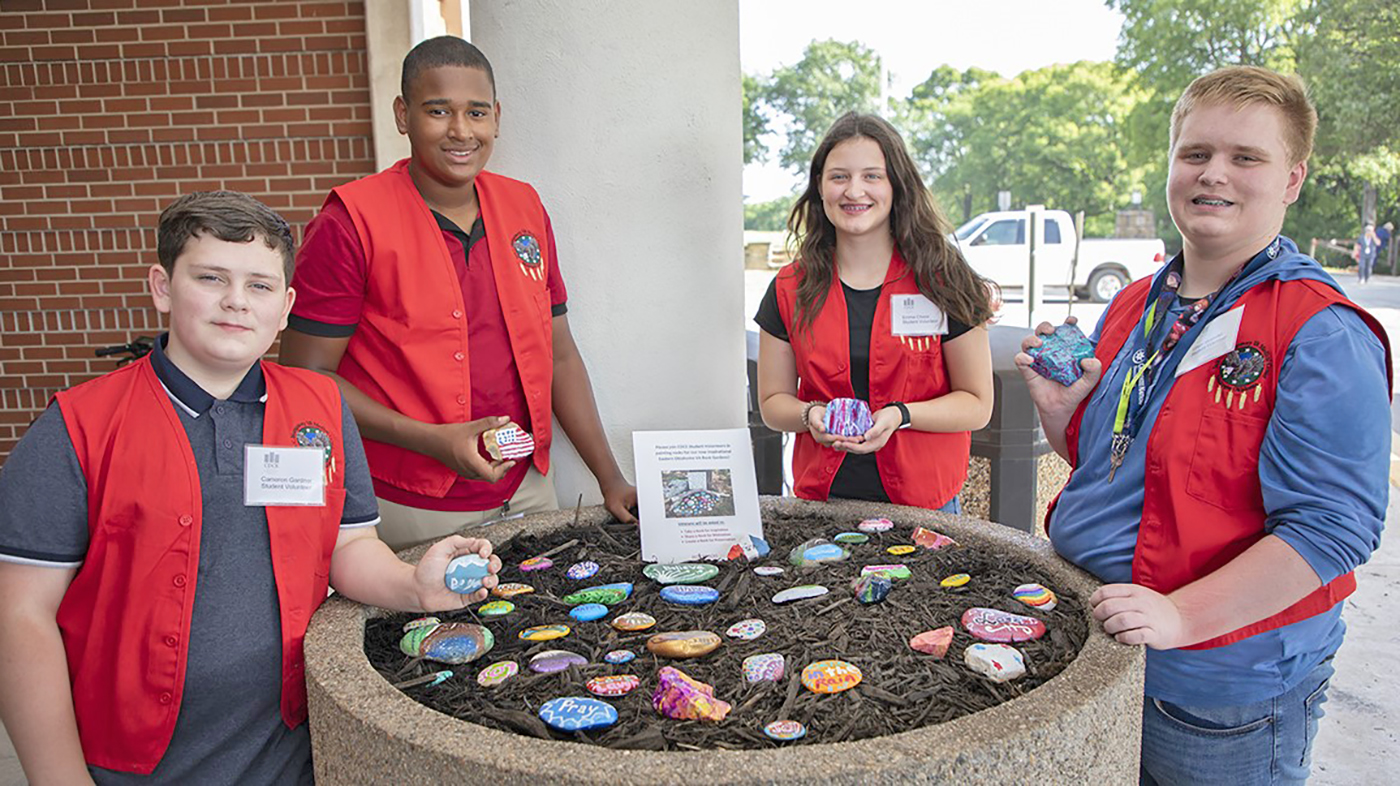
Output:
x=859 y=475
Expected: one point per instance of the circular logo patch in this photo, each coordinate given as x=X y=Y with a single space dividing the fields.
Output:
x=527 y=248
x=1243 y=367
x=313 y=435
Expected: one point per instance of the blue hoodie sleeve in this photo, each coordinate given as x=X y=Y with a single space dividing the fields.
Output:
x=1324 y=465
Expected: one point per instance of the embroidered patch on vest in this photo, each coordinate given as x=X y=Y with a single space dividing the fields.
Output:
x=1239 y=372
x=310 y=434
x=527 y=249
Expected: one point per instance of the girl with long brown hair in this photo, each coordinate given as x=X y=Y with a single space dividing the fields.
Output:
x=879 y=306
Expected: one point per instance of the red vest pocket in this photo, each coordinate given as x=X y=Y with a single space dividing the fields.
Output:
x=1225 y=464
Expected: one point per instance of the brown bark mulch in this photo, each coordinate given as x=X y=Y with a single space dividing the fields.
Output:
x=902 y=688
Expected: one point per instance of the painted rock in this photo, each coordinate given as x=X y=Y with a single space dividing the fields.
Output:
x=588 y=612
x=684 y=573
x=1059 y=354
x=872 y=588
x=996 y=661
x=853 y=538
x=897 y=571
x=748 y=630
x=785 y=730
x=497 y=673
x=689 y=594
x=736 y=551
x=578 y=713
x=537 y=563
x=766 y=667
x=551 y=661
x=691 y=504
x=932 y=540
x=875 y=525
x=508 y=443
x=1001 y=626
x=421 y=622
x=830 y=676
x=801 y=592
x=545 y=632
x=613 y=684
x=464 y=573
x=495 y=608
x=679 y=645
x=900 y=551
x=760 y=545
x=682 y=698
x=848 y=417
x=511 y=589
x=1036 y=596
x=582 y=570
x=934 y=642
x=447 y=642
x=606 y=594
x=768 y=570
x=633 y=621
x=954 y=581
x=619 y=657
x=817 y=551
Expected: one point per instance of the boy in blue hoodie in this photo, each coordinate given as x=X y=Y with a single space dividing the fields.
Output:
x=1229 y=450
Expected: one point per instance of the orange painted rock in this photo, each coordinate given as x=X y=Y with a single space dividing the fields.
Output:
x=830 y=676
x=933 y=642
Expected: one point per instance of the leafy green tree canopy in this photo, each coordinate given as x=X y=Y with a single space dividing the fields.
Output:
x=831 y=79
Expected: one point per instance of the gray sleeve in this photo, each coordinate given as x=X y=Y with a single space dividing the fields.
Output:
x=43 y=498
x=361 y=507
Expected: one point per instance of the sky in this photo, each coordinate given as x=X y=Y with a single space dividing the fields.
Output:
x=913 y=38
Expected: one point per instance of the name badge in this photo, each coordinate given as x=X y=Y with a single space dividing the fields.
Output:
x=283 y=476
x=1215 y=340
x=916 y=315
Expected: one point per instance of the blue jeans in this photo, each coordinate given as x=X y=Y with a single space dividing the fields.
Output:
x=1265 y=743
x=953 y=506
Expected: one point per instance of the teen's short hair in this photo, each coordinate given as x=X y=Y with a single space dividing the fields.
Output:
x=1241 y=86
x=445 y=50
x=231 y=216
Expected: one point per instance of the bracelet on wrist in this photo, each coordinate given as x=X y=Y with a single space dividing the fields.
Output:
x=807 y=412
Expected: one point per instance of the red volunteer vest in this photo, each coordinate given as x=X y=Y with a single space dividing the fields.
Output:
x=1202 y=504
x=125 y=618
x=410 y=349
x=918 y=468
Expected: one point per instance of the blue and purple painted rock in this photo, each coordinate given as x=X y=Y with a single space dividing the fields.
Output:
x=582 y=570
x=1059 y=354
x=588 y=612
x=689 y=594
x=848 y=417
x=447 y=642
x=765 y=667
x=619 y=657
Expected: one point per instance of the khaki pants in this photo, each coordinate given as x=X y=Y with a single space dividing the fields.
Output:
x=402 y=526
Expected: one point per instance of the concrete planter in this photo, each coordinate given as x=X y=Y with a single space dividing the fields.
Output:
x=1082 y=726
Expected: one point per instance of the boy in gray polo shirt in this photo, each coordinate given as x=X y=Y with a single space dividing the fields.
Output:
x=163 y=544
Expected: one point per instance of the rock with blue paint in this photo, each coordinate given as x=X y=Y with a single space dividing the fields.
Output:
x=689 y=594
x=587 y=612
x=447 y=642
x=464 y=573
x=578 y=713
x=872 y=588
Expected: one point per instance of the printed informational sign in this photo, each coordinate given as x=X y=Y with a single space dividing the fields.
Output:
x=697 y=496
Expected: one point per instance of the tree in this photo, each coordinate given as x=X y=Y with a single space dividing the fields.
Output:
x=769 y=216
x=832 y=78
x=1051 y=136
x=755 y=123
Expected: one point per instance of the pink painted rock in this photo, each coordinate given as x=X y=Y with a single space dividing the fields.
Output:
x=934 y=642
x=682 y=698
x=1001 y=626
x=932 y=540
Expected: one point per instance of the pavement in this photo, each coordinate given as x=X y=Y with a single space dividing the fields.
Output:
x=1358 y=743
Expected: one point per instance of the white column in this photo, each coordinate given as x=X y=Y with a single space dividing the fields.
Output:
x=626 y=117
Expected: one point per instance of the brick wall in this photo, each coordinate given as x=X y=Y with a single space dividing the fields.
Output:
x=112 y=108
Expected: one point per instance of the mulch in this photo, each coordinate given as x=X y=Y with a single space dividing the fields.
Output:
x=902 y=688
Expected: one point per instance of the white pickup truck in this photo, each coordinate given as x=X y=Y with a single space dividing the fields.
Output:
x=996 y=246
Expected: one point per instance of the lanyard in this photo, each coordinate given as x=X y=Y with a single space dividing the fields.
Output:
x=1123 y=435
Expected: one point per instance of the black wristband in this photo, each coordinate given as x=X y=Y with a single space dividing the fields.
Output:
x=905 y=421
